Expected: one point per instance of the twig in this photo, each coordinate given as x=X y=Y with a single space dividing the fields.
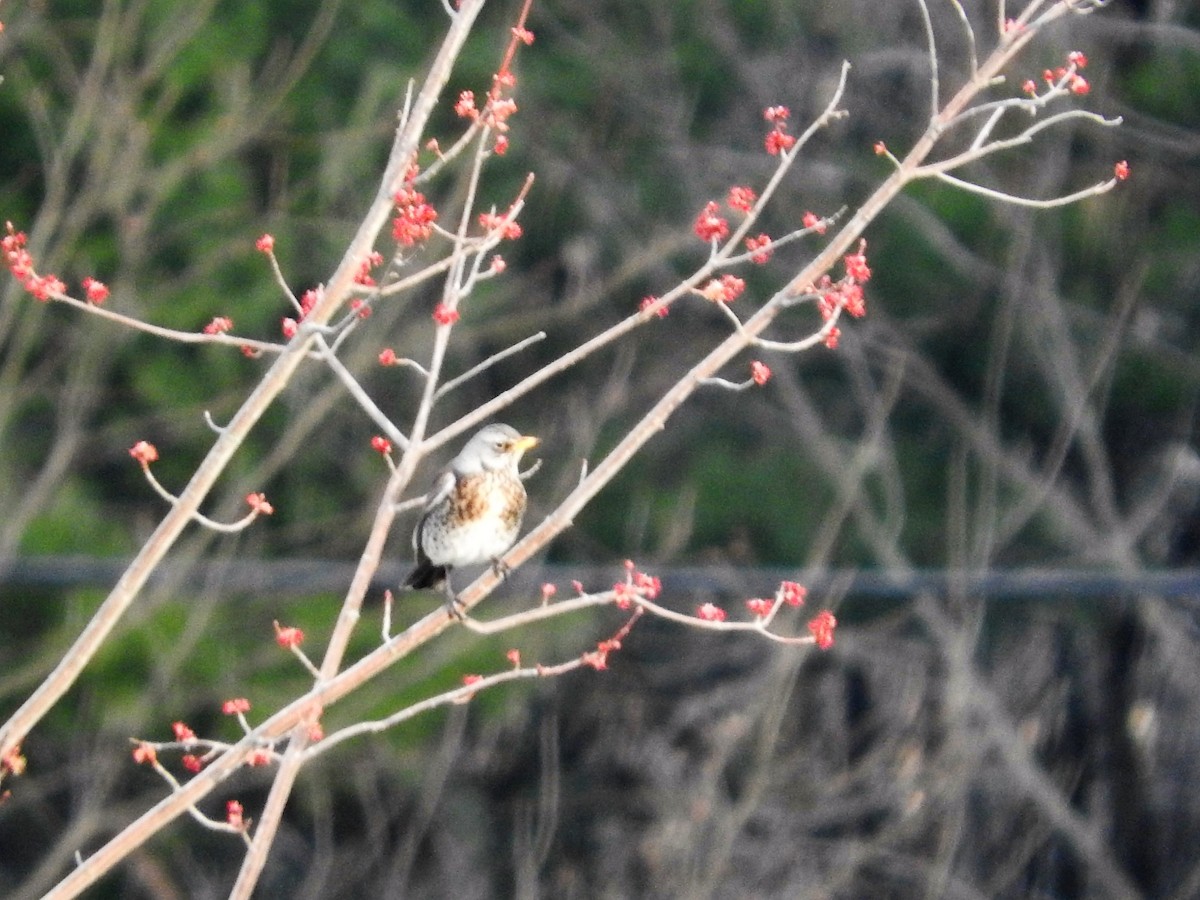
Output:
x=196 y=516
x=537 y=614
x=1102 y=188
x=818 y=228
x=389 y=601
x=450 y=385
x=170 y=334
x=970 y=33
x=456 y=695
x=281 y=281
x=356 y=390
x=1025 y=137
x=194 y=811
x=446 y=157
x=934 y=89
x=208 y=420
x=425 y=274
x=728 y=385
x=756 y=626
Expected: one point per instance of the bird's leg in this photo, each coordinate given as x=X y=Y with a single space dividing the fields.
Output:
x=454 y=606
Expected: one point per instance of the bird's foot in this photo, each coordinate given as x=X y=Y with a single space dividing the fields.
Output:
x=500 y=569
x=455 y=607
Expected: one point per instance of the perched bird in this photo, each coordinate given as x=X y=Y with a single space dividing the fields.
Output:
x=474 y=512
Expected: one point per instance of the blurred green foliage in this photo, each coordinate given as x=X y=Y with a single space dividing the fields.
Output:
x=218 y=178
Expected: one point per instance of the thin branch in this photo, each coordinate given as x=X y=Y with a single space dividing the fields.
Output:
x=756 y=626
x=356 y=390
x=801 y=345
x=194 y=811
x=450 y=385
x=453 y=289
x=1025 y=137
x=385 y=629
x=970 y=33
x=197 y=517
x=819 y=227
x=934 y=86
x=829 y=114
x=404 y=284
x=445 y=157
x=1094 y=190
x=170 y=334
x=461 y=694
x=562 y=607
x=281 y=281
x=1074 y=7
x=727 y=384
x=538 y=613
x=211 y=423
x=986 y=130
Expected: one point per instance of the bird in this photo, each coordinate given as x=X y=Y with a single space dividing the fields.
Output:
x=474 y=511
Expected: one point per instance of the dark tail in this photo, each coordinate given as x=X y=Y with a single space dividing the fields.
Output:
x=425 y=575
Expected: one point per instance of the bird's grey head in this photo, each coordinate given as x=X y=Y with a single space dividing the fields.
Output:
x=494 y=448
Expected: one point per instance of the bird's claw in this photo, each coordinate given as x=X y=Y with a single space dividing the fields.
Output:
x=455 y=607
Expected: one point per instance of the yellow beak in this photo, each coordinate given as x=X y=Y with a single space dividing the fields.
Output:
x=525 y=442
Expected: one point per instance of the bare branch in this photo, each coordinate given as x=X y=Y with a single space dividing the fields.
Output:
x=1025 y=137
x=969 y=31
x=171 y=334
x=197 y=517
x=1094 y=190
x=935 y=103
x=355 y=388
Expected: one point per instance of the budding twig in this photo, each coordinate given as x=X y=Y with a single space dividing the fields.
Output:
x=170 y=334
x=196 y=516
x=402 y=285
x=456 y=695
x=1013 y=199
x=1025 y=137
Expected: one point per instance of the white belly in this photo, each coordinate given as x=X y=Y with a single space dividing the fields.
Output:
x=473 y=544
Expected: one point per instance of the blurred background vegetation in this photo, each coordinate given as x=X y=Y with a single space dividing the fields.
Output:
x=1022 y=393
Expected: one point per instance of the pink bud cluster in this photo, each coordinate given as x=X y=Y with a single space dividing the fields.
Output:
x=1063 y=77
x=845 y=293
x=778 y=140
x=414 y=219
x=636 y=584
x=20 y=263
x=790 y=593
x=307 y=301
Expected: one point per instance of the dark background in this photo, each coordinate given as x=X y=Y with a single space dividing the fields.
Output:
x=1021 y=395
